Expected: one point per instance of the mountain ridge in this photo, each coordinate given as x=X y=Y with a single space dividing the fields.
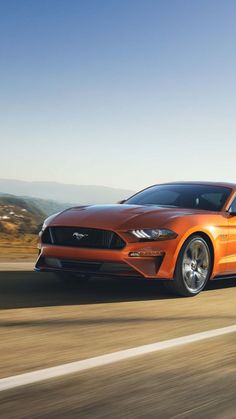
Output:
x=62 y=192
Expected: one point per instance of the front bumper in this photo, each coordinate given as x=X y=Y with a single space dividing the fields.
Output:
x=154 y=260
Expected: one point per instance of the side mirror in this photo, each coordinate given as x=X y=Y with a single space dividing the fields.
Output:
x=122 y=201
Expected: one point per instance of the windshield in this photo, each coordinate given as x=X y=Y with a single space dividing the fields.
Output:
x=203 y=197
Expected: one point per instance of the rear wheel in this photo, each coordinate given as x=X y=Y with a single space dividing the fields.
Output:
x=193 y=268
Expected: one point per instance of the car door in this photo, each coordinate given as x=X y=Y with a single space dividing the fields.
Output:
x=231 y=259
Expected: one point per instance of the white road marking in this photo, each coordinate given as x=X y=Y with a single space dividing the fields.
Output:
x=98 y=361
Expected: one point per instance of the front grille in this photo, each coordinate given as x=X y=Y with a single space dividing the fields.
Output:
x=82 y=237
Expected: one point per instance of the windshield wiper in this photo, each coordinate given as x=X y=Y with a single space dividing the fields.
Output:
x=160 y=205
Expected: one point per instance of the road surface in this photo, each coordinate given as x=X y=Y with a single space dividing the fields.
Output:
x=44 y=324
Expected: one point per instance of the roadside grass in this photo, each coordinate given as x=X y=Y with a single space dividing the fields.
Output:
x=18 y=248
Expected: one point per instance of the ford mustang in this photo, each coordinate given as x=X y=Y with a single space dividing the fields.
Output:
x=181 y=233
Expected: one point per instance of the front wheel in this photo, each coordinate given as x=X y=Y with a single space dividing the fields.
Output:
x=193 y=268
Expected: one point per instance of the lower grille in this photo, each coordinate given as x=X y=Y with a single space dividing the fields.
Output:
x=82 y=237
x=81 y=266
x=101 y=268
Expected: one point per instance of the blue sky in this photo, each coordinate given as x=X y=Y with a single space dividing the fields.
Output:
x=118 y=93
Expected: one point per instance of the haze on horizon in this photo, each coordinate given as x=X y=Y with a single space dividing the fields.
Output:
x=123 y=94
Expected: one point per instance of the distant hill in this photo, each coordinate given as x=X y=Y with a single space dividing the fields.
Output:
x=24 y=215
x=60 y=192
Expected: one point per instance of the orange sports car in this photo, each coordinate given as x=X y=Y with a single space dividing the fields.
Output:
x=182 y=233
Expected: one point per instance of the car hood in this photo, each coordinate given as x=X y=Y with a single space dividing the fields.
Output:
x=120 y=217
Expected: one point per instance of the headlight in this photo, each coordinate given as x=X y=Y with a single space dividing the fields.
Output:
x=154 y=234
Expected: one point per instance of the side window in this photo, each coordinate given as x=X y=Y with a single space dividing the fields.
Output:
x=233 y=206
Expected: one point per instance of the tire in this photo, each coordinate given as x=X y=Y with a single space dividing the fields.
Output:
x=193 y=268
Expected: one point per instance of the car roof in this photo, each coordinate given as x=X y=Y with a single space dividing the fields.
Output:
x=223 y=184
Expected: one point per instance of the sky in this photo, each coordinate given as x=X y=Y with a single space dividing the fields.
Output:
x=122 y=93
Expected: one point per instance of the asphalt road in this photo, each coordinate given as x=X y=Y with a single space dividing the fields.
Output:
x=43 y=324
